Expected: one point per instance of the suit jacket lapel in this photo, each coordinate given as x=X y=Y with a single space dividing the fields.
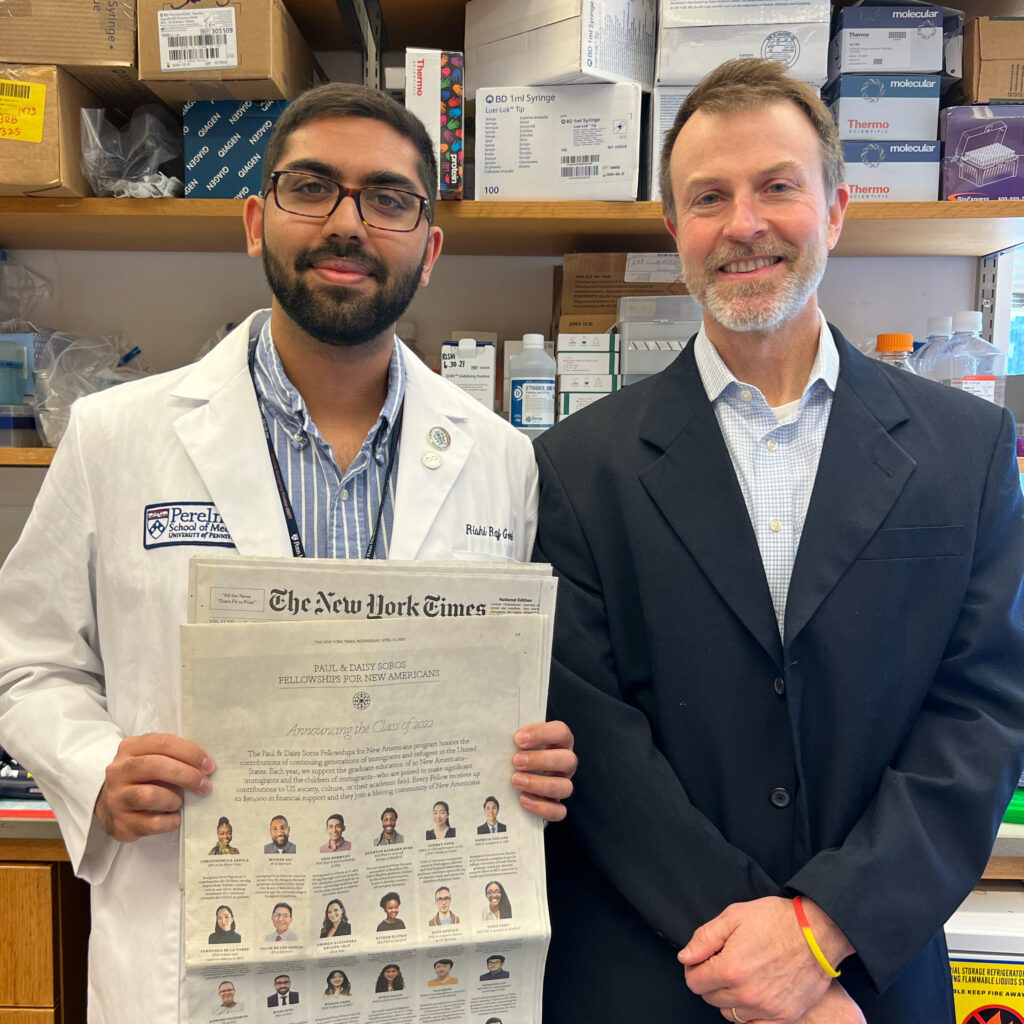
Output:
x=694 y=486
x=223 y=437
x=861 y=474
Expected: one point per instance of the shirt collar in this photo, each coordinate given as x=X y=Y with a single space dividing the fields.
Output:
x=278 y=393
x=716 y=376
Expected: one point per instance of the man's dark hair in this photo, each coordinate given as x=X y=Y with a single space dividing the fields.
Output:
x=450 y=963
x=492 y=800
x=286 y=907
x=389 y=810
x=750 y=83
x=340 y=99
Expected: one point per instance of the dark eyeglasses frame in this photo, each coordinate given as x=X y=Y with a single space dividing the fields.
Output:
x=344 y=193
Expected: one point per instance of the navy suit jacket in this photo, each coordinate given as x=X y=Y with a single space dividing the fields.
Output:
x=293 y=997
x=864 y=760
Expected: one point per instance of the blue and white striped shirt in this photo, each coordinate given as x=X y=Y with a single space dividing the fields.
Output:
x=775 y=462
x=335 y=509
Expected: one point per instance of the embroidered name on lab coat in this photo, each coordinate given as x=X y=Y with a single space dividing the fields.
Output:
x=184 y=522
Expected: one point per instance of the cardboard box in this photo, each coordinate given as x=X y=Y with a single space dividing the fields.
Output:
x=676 y=13
x=224 y=145
x=593 y=282
x=433 y=92
x=94 y=41
x=981 y=157
x=558 y=142
x=40 y=134
x=559 y=42
x=243 y=50
x=902 y=172
x=575 y=324
x=885 y=106
x=886 y=39
x=993 y=61
x=687 y=54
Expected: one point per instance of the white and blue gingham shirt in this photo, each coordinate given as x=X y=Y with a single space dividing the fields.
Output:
x=775 y=462
x=335 y=508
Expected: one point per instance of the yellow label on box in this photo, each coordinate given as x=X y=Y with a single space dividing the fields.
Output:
x=21 y=110
x=988 y=991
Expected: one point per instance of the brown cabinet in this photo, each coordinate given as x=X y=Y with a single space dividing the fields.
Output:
x=44 y=935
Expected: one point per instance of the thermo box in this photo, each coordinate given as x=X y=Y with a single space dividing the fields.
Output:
x=886 y=39
x=433 y=92
x=558 y=142
x=982 y=152
x=559 y=42
x=895 y=171
x=686 y=54
x=676 y=13
x=224 y=145
x=885 y=106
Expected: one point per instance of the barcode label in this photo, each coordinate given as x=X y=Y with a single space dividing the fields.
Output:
x=201 y=53
x=897 y=35
x=198 y=40
x=584 y=171
x=585 y=158
x=15 y=91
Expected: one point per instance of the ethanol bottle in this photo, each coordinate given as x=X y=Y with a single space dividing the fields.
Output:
x=532 y=387
x=927 y=360
x=894 y=349
x=974 y=364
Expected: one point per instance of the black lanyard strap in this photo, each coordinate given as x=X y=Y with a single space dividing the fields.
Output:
x=294 y=537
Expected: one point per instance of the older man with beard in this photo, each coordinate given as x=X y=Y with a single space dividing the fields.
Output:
x=310 y=430
x=790 y=624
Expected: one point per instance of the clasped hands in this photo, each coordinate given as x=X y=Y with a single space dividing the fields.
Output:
x=753 y=963
x=142 y=792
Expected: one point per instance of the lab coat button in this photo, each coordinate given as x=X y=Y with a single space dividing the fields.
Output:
x=780 y=797
x=779 y=685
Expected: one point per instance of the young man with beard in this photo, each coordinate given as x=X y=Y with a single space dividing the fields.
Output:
x=376 y=457
x=793 y=622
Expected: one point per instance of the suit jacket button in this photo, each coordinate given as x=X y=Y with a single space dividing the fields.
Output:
x=780 y=797
x=779 y=685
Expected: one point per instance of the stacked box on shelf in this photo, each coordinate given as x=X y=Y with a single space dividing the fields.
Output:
x=889 y=125
x=695 y=36
x=213 y=51
x=94 y=42
x=587 y=365
x=559 y=42
x=993 y=61
x=557 y=89
x=40 y=135
x=224 y=145
x=983 y=146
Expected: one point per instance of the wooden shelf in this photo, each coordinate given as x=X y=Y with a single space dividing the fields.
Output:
x=26 y=456
x=493 y=228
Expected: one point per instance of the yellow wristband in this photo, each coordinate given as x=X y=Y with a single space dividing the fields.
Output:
x=812 y=942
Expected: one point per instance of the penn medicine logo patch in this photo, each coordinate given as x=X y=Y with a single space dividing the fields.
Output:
x=184 y=522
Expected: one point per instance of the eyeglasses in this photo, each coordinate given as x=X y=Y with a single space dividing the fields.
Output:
x=313 y=195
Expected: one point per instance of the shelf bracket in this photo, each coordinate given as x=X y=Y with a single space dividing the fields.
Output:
x=364 y=23
x=993 y=296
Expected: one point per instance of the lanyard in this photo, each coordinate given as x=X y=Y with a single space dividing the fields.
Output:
x=298 y=551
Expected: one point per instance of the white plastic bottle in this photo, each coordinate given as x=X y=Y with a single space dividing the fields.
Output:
x=532 y=387
x=926 y=361
x=894 y=349
x=974 y=364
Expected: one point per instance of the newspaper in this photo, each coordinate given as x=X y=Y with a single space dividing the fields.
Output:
x=356 y=753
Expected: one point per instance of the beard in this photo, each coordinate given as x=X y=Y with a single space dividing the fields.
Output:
x=758 y=305
x=335 y=314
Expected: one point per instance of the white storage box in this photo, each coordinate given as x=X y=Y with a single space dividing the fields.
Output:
x=885 y=106
x=886 y=39
x=676 y=13
x=686 y=55
x=589 y=383
x=558 y=142
x=559 y=42
x=901 y=172
x=665 y=104
x=587 y=363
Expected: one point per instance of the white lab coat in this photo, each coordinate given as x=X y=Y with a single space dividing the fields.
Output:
x=89 y=617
